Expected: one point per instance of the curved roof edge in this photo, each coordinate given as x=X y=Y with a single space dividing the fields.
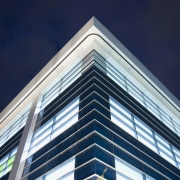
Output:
x=92 y=26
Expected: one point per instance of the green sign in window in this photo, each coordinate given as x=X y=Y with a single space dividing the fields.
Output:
x=2 y=166
x=7 y=165
x=10 y=163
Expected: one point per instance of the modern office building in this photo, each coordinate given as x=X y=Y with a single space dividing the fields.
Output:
x=93 y=112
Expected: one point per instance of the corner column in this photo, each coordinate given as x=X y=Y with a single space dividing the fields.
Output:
x=20 y=159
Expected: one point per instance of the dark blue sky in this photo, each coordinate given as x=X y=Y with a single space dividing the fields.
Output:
x=32 y=32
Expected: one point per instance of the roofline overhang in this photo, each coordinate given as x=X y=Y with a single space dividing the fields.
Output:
x=89 y=33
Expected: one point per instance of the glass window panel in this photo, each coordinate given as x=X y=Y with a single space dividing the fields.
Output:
x=135 y=92
x=142 y=125
x=149 y=178
x=128 y=170
x=123 y=126
x=43 y=128
x=43 y=135
x=10 y=163
x=169 y=125
x=67 y=82
x=14 y=128
x=132 y=87
x=176 y=151
x=177 y=159
x=121 y=117
x=165 y=149
x=53 y=92
x=120 y=82
x=55 y=126
x=120 y=176
x=49 y=98
x=4 y=159
x=67 y=116
x=53 y=88
x=113 y=73
x=145 y=134
x=39 y=145
x=150 y=102
x=148 y=144
x=2 y=166
x=69 y=176
x=9 y=167
x=68 y=108
x=116 y=76
x=177 y=126
x=137 y=97
x=11 y=160
x=151 y=106
x=167 y=120
x=119 y=107
x=163 y=114
x=162 y=140
x=153 y=111
x=58 y=130
x=13 y=152
x=61 y=85
x=62 y=170
x=7 y=162
x=166 y=157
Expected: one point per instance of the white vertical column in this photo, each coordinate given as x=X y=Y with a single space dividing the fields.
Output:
x=24 y=144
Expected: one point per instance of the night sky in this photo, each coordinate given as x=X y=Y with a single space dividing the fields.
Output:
x=33 y=31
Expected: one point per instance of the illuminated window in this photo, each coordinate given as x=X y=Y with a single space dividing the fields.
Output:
x=128 y=86
x=125 y=171
x=64 y=119
x=7 y=162
x=138 y=129
x=64 y=171
x=61 y=85
x=14 y=128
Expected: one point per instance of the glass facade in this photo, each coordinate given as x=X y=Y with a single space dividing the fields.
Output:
x=64 y=171
x=63 y=120
x=61 y=85
x=93 y=123
x=125 y=171
x=129 y=87
x=136 y=128
x=93 y=129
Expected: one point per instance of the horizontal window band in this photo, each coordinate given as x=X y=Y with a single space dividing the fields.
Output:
x=133 y=143
x=148 y=116
x=11 y=143
x=151 y=120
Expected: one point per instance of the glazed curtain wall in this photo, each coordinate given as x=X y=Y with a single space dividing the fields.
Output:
x=139 y=130
x=130 y=88
x=63 y=120
x=99 y=145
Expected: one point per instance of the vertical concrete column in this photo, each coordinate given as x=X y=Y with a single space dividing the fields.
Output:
x=24 y=144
